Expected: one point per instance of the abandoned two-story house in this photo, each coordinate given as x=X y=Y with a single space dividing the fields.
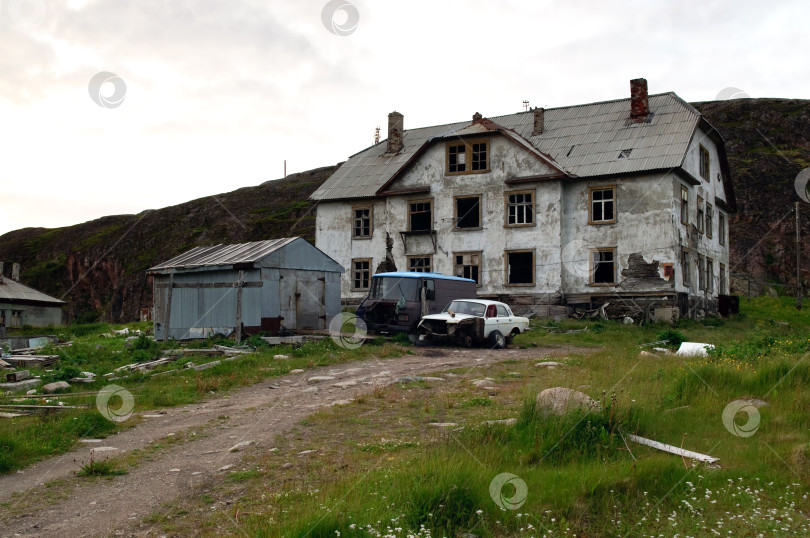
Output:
x=623 y=202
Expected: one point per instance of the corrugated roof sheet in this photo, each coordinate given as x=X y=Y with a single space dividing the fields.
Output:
x=583 y=140
x=224 y=254
x=15 y=291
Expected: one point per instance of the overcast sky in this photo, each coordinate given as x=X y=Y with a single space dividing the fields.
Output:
x=207 y=96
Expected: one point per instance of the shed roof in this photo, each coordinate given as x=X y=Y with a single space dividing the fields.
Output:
x=224 y=254
x=581 y=141
x=13 y=291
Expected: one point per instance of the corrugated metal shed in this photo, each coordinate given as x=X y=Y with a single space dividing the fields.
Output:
x=582 y=141
x=12 y=291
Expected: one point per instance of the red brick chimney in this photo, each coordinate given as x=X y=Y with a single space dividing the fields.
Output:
x=396 y=122
x=639 y=102
x=539 y=121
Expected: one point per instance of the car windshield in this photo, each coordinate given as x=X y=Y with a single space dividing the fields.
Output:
x=466 y=307
x=395 y=288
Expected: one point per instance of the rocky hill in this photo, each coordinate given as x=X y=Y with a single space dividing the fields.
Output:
x=99 y=266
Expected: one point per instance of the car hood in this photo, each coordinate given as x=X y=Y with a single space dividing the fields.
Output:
x=444 y=316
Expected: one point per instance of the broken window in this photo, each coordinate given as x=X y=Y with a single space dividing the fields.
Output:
x=520 y=208
x=602 y=205
x=361 y=273
x=721 y=229
x=709 y=220
x=701 y=272
x=685 y=266
x=420 y=215
x=704 y=163
x=520 y=267
x=468 y=265
x=709 y=275
x=419 y=264
x=722 y=289
x=468 y=212
x=700 y=214
x=684 y=205
x=362 y=222
x=16 y=318
x=603 y=266
x=467 y=157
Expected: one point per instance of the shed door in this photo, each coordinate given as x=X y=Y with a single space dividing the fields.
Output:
x=286 y=297
x=311 y=301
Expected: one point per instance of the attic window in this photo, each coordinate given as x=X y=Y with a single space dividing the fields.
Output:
x=625 y=153
x=704 y=163
x=468 y=157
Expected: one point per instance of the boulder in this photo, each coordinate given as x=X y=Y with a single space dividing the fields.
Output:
x=56 y=386
x=560 y=400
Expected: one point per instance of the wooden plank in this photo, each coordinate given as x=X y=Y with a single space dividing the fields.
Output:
x=673 y=449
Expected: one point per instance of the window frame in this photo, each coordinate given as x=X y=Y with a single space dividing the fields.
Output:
x=684 y=205
x=591 y=202
x=592 y=266
x=704 y=163
x=354 y=271
x=709 y=220
x=721 y=227
x=700 y=215
x=16 y=319
x=468 y=156
x=506 y=254
x=410 y=214
x=428 y=257
x=685 y=268
x=370 y=221
x=701 y=262
x=709 y=275
x=456 y=227
x=723 y=280
x=479 y=253
x=507 y=204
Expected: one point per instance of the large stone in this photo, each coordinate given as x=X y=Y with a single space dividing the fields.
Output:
x=56 y=386
x=561 y=400
x=20 y=386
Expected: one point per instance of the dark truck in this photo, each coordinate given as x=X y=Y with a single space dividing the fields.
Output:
x=397 y=301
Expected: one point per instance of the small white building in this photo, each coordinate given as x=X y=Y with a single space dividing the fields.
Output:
x=623 y=202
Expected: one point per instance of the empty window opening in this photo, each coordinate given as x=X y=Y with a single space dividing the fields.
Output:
x=700 y=214
x=603 y=205
x=704 y=163
x=709 y=275
x=468 y=212
x=684 y=205
x=520 y=267
x=603 y=266
x=625 y=153
x=721 y=229
x=468 y=265
x=709 y=220
x=421 y=216
x=685 y=266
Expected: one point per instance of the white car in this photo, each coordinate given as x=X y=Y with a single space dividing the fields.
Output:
x=473 y=321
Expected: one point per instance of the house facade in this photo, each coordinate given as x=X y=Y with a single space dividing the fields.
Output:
x=22 y=306
x=623 y=203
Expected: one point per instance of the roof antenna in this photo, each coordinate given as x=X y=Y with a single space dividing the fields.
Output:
x=525 y=104
x=377 y=135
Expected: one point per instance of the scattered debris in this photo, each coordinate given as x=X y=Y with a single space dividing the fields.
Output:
x=694 y=349
x=239 y=446
x=416 y=378
x=207 y=365
x=443 y=424
x=19 y=375
x=226 y=467
x=341 y=402
x=56 y=386
x=505 y=421
x=485 y=383
x=673 y=449
x=281 y=357
x=549 y=364
x=31 y=361
x=305 y=452
x=560 y=400
x=297 y=371
x=319 y=378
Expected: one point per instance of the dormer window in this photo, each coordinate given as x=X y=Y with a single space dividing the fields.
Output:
x=468 y=157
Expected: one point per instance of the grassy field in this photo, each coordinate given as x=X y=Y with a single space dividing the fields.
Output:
x=380 y=468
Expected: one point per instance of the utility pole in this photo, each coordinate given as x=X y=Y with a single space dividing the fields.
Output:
x=799 y=291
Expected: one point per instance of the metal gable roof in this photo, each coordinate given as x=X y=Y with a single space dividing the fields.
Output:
x=11 y=290
x=224 y=254
x=582 y=140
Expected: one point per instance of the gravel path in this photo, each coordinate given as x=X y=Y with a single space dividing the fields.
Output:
x=257 y=414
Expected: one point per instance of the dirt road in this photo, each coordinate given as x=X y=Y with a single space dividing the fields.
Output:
x=259 y=413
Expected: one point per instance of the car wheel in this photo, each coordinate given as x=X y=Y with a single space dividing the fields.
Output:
x=511 y=336
x=497 y=340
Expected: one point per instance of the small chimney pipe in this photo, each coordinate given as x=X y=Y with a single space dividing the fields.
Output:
x=639 y=101
x=539 y=121
x=396 y=122
x=15 y=272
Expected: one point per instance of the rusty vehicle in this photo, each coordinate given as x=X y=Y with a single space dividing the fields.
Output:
x=471 y=322
x=398 y=300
